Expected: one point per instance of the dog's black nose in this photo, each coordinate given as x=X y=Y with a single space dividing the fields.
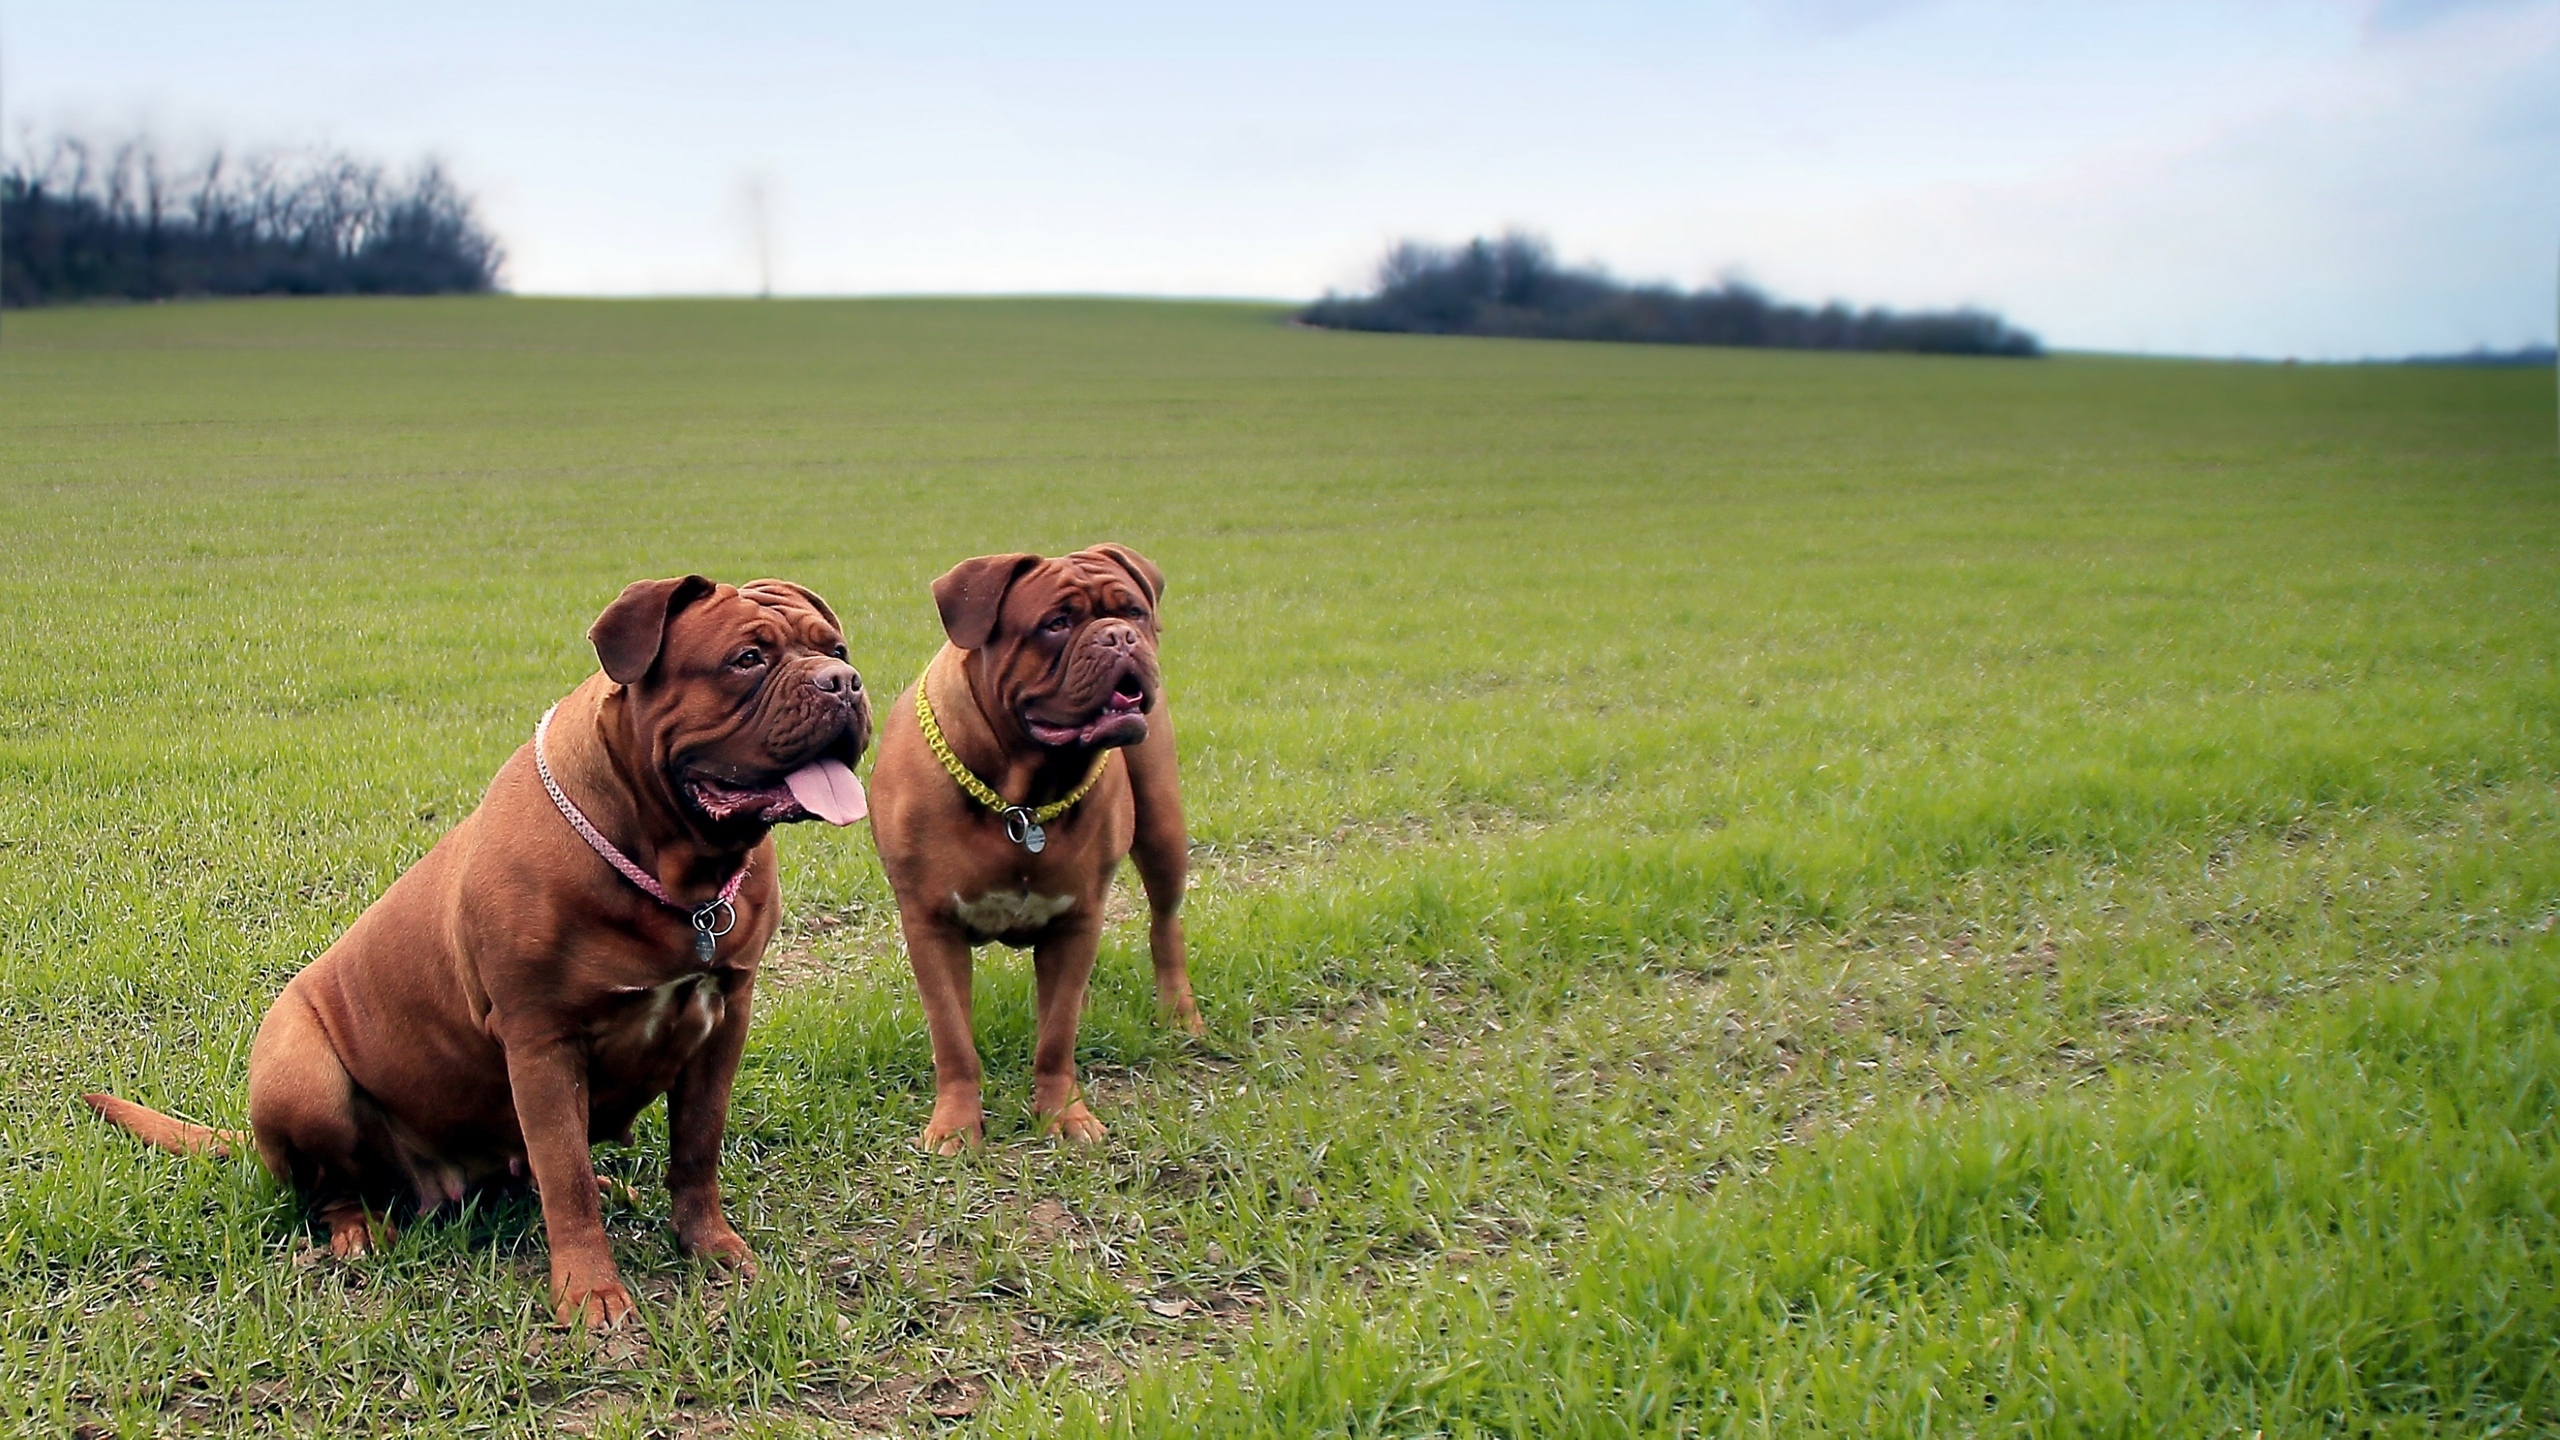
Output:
x=836 y=678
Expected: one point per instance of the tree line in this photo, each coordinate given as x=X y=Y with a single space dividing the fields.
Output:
x=1514 y=286
x=86 y=221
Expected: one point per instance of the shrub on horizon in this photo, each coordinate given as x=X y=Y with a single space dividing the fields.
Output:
x=1513 y=286
x=93 y=222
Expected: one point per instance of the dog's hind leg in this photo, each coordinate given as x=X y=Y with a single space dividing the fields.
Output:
x=1162 y=849
x=310 y=1123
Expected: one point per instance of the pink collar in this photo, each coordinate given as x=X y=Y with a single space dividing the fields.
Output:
x=712 y=918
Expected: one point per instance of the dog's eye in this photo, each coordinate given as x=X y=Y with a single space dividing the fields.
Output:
x=839 y=651
x=1059 y=624
x=749 y=658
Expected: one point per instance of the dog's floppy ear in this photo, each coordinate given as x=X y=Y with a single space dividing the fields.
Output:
x=789 y=588
x=631 y=629
x=971 y=594
x=1140 y=568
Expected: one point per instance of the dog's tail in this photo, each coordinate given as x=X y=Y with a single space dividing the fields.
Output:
x=178 y=1137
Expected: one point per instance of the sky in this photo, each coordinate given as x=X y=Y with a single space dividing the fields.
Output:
x=2325 y=179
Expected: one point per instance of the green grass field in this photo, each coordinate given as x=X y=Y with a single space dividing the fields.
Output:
x=1737 y=891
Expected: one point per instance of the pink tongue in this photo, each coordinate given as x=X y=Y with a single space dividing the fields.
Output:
x=828 y=790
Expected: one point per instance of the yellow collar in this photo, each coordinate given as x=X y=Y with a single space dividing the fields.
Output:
x=1022 y=824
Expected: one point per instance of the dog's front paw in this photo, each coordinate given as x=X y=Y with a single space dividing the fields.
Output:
x=940 y=1139
x=1075 y=1124
x=597 y=1302
x=722 y=1248
x=956 y=1125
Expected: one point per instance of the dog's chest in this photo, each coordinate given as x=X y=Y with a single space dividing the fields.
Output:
x=998 y=914
x=661 y=1023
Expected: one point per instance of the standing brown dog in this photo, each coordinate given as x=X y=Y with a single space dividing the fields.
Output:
x=512 y=999
x=1011 y=832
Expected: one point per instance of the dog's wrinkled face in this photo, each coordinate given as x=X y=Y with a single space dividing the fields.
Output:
x=1069 y=643
x=751 y=712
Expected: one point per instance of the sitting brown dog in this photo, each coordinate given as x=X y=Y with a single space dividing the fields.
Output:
x=1001 y=814
x=512 y=999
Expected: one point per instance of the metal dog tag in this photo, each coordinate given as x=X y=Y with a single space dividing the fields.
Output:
x=1024 y=831
x=711 y=920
